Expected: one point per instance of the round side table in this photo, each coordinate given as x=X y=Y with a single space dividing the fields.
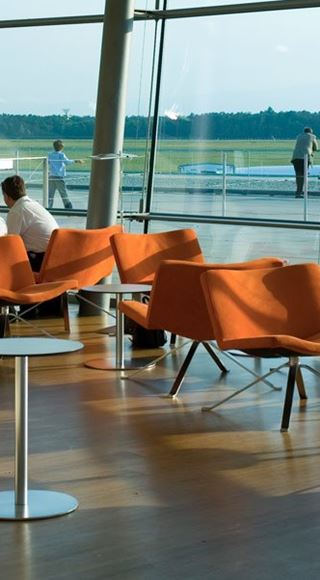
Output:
x=119 y=290
x=24 y=504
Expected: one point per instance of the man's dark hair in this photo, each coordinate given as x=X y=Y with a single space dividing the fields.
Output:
x=308 y=130
x=14 y=187
x=57 y=145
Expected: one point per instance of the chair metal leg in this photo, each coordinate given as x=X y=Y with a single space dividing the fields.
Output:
x=4 y=322
x=155 y=361
x=215 y=357
x=178 y=381
x=173 y=339
x=183 y=369
x=87 y=301
x=292 y=374
x=65 y=311
x=5 y=315
x=311 y=369
x=257 y=380
x=300 y=384
x=26 y=310
x=251 y=372
x=38 y=328
x=299 y=377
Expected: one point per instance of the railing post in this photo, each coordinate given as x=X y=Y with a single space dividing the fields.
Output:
x=45 y=180
x=224 y=183
x=305 y=186
x=17 y=163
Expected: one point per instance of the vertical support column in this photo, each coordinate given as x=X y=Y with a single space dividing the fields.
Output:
x=21 y=411
x=154 y=136
x=110 y=112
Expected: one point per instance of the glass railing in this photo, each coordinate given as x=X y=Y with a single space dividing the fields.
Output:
x=256 y=183
x=236 y=242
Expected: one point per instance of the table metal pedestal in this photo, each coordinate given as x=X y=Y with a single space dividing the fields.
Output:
x=24 y=504
x=120 y=363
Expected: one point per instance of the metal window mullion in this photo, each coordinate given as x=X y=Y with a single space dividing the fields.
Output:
x=245 y=8
x=155 y=126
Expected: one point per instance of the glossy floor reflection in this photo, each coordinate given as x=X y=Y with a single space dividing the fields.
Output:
x=165 y=491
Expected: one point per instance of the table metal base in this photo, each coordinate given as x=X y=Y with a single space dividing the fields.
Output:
x=108 y=364
x=111 y=330
x=119 y=364
x=41 y=505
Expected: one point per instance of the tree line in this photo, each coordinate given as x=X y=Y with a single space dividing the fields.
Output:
x=267 y=124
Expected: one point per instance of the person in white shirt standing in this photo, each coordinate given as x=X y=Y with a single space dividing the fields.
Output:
x=28 y=219
x=57 y=171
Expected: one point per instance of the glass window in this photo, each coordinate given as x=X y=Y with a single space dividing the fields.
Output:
x=49 y=92
x=138 y=122
x=232 y=103
x=236 y=243
x=145 y=4
x=16 y=10
x=175 y=4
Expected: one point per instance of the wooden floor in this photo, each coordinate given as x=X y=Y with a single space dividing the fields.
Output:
x=165 y=491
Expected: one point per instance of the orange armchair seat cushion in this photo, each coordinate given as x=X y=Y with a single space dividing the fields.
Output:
x=37 y=292
x=136 y=311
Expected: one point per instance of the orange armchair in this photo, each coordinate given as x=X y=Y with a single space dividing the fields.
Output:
x=138 y=256
x=84 y=255
x=17 y=281
x=268 y=313
x=177 y=305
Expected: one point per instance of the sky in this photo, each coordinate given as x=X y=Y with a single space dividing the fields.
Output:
x=224 y=63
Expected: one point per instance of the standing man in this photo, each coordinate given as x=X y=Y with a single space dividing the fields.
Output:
x=28 y=219
x=57 y=171
x=306 y=144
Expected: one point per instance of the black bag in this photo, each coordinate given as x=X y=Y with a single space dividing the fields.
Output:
x=143 y=337
x=147 y=338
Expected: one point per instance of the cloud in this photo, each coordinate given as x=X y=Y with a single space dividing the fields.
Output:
x=282 y=48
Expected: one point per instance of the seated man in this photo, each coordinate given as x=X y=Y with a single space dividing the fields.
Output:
x=35 y=225
x=3 y=227
x=28 y=219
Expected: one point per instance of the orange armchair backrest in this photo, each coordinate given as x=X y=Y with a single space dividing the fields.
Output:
x=83 y=255
x=15 y=270
x=243 y=304
x=139 y=255
x=177 y=303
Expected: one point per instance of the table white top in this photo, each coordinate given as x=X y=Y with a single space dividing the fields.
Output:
x=118 y=288
x=37 y=346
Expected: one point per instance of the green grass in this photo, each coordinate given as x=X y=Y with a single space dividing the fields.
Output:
x=170 y=153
